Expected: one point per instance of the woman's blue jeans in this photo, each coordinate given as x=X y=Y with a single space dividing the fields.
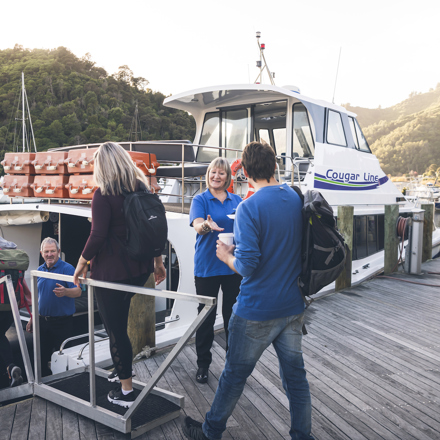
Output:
x=247 y=342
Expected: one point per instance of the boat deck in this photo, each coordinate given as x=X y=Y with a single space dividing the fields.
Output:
x=372 y=357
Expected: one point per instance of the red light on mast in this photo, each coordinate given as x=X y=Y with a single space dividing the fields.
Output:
x=263 y=46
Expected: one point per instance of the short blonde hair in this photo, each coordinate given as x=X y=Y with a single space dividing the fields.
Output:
x=114 y=170
x=222 y=164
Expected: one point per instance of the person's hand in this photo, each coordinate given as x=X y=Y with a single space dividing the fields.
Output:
x=213 y=225
x=80 y=271
x=160 y=272
x=29 y=326
x=59 y=291
x=224 y=251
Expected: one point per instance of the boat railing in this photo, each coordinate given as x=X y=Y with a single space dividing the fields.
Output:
x=41 y=386
x=179 y=162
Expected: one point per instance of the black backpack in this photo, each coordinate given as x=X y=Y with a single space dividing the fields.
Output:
x=323 y=248
x=146 y=223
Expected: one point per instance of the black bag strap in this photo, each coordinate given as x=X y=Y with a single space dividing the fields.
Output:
x=299 y=192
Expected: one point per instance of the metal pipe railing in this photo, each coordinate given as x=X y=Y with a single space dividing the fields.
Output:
x=125 y=288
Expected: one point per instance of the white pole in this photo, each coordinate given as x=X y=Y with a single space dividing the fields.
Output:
x=23 y=112
x=337 y=72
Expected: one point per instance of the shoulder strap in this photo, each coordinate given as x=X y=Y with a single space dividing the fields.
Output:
x=299 y=192
x=2 y=291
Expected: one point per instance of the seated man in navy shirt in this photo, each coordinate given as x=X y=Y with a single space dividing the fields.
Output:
x=56 y=303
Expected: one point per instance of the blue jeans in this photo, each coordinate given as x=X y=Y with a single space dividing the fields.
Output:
x=247 y=342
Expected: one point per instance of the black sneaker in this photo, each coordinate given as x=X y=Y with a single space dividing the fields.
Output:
x=117 y=397
x=15 y=375
x=113 y=376
x=193 y=429
x=202 y=375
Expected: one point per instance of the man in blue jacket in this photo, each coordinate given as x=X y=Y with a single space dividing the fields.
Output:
x=269 y=308
x=56 y=303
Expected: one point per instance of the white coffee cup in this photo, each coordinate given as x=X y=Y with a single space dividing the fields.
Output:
x=227 y=238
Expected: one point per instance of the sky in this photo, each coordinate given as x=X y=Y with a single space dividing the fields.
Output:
x=387 y=49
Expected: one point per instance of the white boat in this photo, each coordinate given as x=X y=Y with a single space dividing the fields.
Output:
x=319 y=145
x=423 y=192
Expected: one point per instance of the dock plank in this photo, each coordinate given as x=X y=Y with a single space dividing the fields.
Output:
x=54 y=424
x=37 y=428
x=70 y=424
x=7 y=417
x=372 y=357
x=87 y=429
x=22 y=418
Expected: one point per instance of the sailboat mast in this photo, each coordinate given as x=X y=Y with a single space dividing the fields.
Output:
x=23 y=111
x=136 y=123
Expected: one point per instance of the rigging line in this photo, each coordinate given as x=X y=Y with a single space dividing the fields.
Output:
x=337 y=72
x=268 y=70
x=30 y=122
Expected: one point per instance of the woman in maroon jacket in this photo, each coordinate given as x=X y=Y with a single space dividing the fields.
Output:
x=114 y=171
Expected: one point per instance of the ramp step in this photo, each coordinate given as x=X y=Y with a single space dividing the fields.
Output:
x=152 y=408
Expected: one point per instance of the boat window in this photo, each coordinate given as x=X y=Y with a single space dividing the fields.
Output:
x=358 y=136
x=360 y=236
x=210 y=136
x=353 y=131
x=279 y=137
x=335 y=130
x=303 y=145
x=372 y=244
x=270 y=119
x=363 y=144
x=263 y=135
x=368 y=235
x=235 y=131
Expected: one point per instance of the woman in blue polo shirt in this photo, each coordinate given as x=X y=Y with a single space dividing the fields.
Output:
x=209 y=216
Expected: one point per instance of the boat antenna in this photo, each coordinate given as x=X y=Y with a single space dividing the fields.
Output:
x=337 y=71
x=260 y=65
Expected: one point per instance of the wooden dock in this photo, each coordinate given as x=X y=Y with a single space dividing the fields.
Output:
x=373 y=361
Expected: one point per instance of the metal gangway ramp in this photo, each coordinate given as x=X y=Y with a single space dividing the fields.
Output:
x=84 y=390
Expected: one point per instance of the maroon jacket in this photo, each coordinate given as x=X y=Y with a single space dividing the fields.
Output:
x=102 y=249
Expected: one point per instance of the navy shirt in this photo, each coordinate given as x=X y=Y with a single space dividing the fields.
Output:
x=206 y=263
x=48 y=303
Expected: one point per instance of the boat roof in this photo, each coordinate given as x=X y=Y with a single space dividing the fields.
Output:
x=205 y=98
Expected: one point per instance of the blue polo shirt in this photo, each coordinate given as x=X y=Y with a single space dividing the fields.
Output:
x=48 y=303
x=206 y=263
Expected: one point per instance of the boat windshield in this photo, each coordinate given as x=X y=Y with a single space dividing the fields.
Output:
x=234 y=128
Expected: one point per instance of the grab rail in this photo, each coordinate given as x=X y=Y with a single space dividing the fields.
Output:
x=46 y=391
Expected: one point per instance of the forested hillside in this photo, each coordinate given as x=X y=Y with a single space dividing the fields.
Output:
x=405 y=137
x=72 y=101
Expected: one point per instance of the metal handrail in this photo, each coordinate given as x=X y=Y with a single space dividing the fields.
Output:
x=91 y=409
x=73 y=338
x=128 y=288
x=85 y=345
